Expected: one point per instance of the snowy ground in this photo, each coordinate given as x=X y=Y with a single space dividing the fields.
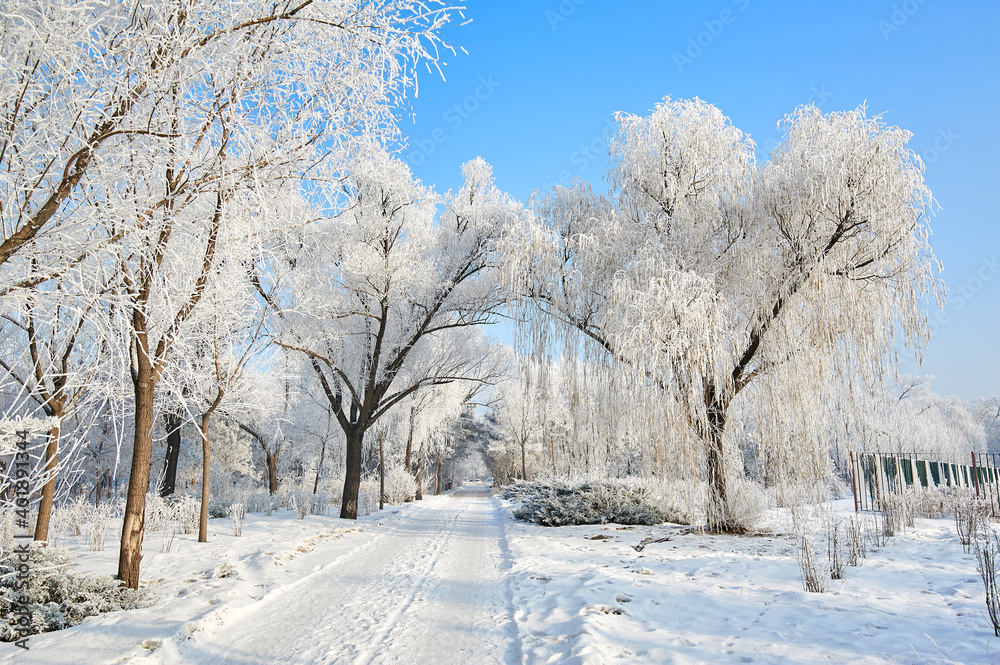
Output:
x=453 y=580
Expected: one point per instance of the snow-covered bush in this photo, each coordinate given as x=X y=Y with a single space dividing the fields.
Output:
x=836 y=556
x=237 y=511
x=899 y=509
x=815 y=576
x=934 y=502
x=857 y=541
x=970 y=518
x=57 y=598
x=553 y=503
x=159 y=513
x=400 y=486
x=301 y=501
x=258 y=500
x=97 y=525
x=744 y=508
x=187 y=513
x=321 y=503
x=368 y=495
x=72 y=516
x=988 y=557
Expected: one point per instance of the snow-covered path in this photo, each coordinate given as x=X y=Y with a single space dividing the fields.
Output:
x=431 y=588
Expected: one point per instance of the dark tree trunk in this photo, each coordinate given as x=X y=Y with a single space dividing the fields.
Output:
x=205 y=465
x=437 y=476
x=420 y=478
x=49 y=489
x=720 y=517
x=352 y=476
x=271 y=459
x=319 y=467
x=381 y=474
x=134 y=523
x=173 y=423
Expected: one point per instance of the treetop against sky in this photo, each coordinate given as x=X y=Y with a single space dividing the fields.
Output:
x=536 y=92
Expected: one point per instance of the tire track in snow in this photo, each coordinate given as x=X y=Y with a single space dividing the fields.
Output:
x=429 y=589
x=392 y=620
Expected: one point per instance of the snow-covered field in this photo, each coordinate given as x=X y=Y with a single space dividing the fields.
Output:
x=453 y=579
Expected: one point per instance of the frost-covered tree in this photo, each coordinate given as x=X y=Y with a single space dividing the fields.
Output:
x=57 y=359
x=987 y=410
x=716 y=279
x=382 y=298
x=83 y=86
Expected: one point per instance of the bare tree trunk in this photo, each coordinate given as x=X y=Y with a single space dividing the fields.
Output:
x=173 y=422
x=381 y=473
x=720 y=517
x=409 y=442
x=271 y=458
x=352 y=475
x=203 y=519
x=524 y=464
x=437 y=476
x=552 y=449
x=420 y=478
x=49 y=489
x=319 y=467
x=134 y=523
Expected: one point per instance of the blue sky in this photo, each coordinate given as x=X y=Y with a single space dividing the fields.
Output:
x=537 y=91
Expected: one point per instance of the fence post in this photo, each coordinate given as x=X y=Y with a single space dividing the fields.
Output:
x=975 y=474
x=854 y=482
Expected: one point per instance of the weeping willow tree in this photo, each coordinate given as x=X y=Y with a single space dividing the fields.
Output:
x=731 y=286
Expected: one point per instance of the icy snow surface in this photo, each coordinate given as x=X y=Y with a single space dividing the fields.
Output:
x=453 y=580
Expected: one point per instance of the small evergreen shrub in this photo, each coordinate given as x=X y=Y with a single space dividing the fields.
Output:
x=59 y=599
x=553 y=503
x=400 y=486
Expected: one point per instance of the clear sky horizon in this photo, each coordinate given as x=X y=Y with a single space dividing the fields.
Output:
x=536 y=93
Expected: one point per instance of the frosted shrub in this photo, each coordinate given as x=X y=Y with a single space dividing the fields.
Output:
x=400 y=486
x=899 y=510
x=167 y=539
x=553 y=503
x=321 y=502
x=835 y=558
x=59 y=524
x=814 y=575
x=970 y=518
x=744 y=509
x=97 y=526
x=186 y=513
x=988 y=557
x=933 y=502
x=857 y=548
x=368 y=495
x=301 y=500
x=56 y=598
x=882 y=530
x=159 y=514
x=74 y=515
x=237 y=511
